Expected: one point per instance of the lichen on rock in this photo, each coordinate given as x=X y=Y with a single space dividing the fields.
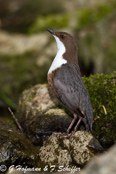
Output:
x=63 y=151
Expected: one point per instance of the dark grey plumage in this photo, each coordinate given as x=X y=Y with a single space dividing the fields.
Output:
x=67 y=85
x=72 y=94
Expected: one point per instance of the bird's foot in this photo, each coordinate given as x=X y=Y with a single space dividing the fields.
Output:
x=71 y=134
x=64 y=135
x=57 y=133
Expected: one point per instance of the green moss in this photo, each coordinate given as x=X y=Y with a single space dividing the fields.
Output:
x=30 y=99
x=43 y=22
x=93 y=14
x=102 y=91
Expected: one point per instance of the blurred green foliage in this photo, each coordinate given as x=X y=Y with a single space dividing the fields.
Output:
x=93 y=14
x=85 y=16
x=102 y=91
x=95 y=30
x=110 y=60
x=50 y=21
x=19 y=72
x=7 y=100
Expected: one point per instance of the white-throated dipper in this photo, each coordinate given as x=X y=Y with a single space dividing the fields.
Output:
x=66 y=84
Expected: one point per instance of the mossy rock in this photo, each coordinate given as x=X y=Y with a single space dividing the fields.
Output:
x=15 y=148
x=102 y=91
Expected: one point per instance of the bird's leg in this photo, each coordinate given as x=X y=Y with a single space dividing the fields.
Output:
x=73 y=121
x=76 y=127
x=65 y=135
x=68 y=130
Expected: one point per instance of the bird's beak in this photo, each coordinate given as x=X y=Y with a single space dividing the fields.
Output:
x=51 y=31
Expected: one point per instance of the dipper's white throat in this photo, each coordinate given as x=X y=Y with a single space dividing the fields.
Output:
x=66 y=84
x=58 y=60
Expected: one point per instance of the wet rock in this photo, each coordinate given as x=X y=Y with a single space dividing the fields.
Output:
x=105 y=163
x=60 y=151
x=57 y=154
x=15 y=148
x=39 y=115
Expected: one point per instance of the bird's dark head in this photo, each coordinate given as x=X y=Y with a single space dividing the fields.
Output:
x=66 y=40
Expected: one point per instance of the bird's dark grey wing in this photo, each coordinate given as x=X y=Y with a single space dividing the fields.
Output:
x=71 y=92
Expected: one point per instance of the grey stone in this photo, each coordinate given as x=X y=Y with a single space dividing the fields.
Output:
x=39 y=115
x=103 y=164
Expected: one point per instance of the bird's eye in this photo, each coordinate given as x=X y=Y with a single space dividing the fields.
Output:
x=62 y=36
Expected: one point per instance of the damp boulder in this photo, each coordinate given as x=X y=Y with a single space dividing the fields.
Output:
x=15 y=148
x=105 y=163
x=40 y=115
